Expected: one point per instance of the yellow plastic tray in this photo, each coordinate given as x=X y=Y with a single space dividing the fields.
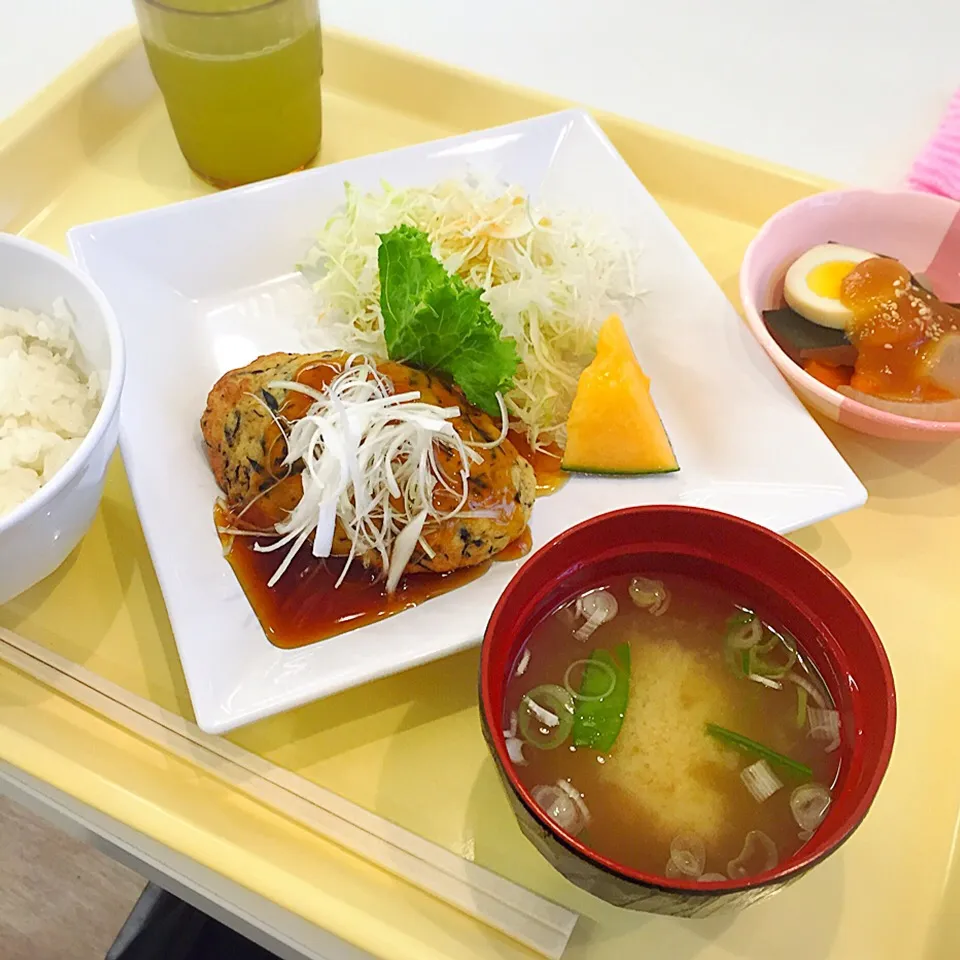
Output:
x=409 y=747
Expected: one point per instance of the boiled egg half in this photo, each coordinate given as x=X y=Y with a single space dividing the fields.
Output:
x=812 y=284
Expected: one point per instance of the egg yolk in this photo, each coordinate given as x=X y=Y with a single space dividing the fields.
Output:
x=895 y=325
x=826 y=279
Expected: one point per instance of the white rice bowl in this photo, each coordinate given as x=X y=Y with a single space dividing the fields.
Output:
x=48 y=401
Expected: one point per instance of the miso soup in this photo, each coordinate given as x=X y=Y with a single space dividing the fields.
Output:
x=673 y=730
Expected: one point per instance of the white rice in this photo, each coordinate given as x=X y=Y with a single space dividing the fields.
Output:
x=47 y=402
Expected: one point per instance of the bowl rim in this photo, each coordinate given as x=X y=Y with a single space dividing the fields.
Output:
x=793 y=371
x=492 y=720
x=111 y=394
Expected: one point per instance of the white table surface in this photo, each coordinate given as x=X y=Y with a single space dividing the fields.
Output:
x=849 y=89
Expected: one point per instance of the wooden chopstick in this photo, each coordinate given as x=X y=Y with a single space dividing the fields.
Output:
x=515 y=911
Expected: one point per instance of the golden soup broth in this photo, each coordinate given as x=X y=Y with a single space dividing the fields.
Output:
x=665 y=775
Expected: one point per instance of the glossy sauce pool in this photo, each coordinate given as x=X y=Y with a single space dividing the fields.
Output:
x=305 y=605
x=545 y=463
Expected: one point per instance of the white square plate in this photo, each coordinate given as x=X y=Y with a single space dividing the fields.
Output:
x=207 y=285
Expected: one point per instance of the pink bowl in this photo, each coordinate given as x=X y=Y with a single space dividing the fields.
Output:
x=920 y=230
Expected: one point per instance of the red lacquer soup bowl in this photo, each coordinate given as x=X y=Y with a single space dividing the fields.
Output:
x=747 y=561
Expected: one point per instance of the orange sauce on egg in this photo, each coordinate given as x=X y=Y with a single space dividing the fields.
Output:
x=895 y=326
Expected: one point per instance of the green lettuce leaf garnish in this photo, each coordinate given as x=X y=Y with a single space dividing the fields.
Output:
x=433 y=320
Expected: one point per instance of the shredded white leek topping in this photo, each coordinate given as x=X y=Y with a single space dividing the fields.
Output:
x=370 y=460
x=549 y=279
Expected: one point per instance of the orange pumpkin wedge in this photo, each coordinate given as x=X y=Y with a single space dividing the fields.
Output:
x=613 y=426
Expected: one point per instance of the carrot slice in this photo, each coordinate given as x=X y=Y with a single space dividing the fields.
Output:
x=829 y=375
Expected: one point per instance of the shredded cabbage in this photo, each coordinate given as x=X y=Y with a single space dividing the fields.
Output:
x=550 y=279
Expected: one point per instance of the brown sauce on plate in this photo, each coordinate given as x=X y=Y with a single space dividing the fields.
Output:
x=545 y=463
x=305 y=605
x=519 y=548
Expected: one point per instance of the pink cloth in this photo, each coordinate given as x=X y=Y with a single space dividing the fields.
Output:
x=937 y=169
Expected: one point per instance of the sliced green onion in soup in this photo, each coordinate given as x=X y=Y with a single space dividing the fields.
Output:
x=688 y=855
x=747 y=645
x=673 y=872
x=597 y=607
x=816 y=695
x=760 y=780
x=809 y=804
x=765 y=668
x=769 y=644
x=765 y=681
x=773 y=671
x=801 y=707
x=563 y=804
x=599 y=712
x=545 y=716
x=593 y=665
x=744 y=631
x=650 y=595
x=825 y=725
x=752 y=746
x=743 y=634
x=758 y=855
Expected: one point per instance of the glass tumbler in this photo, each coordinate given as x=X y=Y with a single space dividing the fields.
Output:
x=241 y=82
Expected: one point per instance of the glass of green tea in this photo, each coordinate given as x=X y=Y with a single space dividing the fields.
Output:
x=241 y=82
